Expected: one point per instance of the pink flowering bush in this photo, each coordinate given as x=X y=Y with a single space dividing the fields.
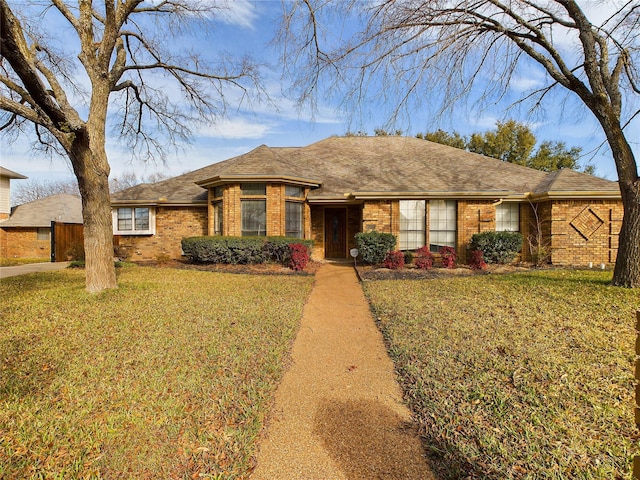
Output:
x=299 y=256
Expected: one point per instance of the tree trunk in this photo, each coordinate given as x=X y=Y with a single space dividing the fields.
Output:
x=627 y=270
x=92 y=171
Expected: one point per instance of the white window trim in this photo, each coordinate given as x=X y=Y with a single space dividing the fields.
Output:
x=152 y=221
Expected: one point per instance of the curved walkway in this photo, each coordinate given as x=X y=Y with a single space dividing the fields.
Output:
x=338 y=411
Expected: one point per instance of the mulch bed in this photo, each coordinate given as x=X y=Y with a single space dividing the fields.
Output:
x=254 y=269
x=369 y=272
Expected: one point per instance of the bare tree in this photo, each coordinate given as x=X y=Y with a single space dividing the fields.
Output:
x=121 y=57
x=34 y=189
x=130 y=179
x=417 y=52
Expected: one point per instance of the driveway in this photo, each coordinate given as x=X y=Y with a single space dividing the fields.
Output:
x=6 y=272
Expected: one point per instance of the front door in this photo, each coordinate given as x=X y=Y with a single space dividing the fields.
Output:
x=335 y=232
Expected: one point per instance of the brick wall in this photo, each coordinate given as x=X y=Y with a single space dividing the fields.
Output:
x=22 y=242
x=584 y=231
x=474 y=216
x=172 y=225
x=378 y=215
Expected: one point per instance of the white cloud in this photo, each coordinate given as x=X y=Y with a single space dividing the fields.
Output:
x=236 y=128
x=239 y=12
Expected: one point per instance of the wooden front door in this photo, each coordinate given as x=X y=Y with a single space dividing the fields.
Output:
x=335 y=232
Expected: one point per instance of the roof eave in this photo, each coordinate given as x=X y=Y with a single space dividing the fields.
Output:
x=576 y=194
x=489 y=194
x=222 y=179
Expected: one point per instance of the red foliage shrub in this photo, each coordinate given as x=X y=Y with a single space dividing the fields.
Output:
x=424 y=258
x=477 y=261
x=299 y=256
x=394 y=260
x=448 y=257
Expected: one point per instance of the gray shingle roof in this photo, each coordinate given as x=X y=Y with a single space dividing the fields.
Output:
x=369 y=167
x=40 y=213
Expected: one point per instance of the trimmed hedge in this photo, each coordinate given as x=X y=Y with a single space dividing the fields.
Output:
x=374 y=246
x=497 y=247
x=240 y=250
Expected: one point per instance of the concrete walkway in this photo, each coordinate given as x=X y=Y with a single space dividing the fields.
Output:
x=338 y=411
x=6 y=272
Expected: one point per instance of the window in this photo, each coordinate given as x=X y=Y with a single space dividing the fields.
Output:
x=254 y=217
x=218 y=191
x=293 y=191
x=412 y=224
x=508 y=217
x=134 y=221
x=442 y=224
x=293 y=219
x=43 y=233
x=253 y=188
x=218 y=222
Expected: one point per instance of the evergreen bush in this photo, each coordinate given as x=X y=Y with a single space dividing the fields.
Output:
x=497 y=247
x=374 y=246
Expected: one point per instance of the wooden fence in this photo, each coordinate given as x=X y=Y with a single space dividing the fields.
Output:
x=67 y=241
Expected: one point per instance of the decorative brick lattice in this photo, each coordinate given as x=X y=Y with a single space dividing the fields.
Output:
x=587 y=222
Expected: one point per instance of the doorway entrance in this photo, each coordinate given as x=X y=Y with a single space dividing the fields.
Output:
x=335 y=233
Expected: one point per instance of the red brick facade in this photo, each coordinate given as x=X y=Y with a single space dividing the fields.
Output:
x=22 y=242
x=172 y=225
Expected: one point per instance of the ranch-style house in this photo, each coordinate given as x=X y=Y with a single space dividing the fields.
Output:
x=422 y=192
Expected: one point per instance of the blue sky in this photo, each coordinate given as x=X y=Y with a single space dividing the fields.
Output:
x=247 y=29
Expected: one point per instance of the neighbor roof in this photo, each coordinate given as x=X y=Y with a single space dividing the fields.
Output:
x=5 y=172
x=352 y=168
x=40 y=213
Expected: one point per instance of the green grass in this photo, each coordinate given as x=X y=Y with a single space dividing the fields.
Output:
x=169 y=376
x=517 y=376
x=11 y=262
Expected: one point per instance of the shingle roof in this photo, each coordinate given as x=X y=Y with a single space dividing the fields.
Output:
x=369 y=167
x=40 y=213
x=572 y=181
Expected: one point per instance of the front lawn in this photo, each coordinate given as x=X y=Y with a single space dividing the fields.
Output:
x=170 y=376
x=526 y=375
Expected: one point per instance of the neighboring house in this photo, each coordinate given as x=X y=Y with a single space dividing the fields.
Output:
x=422 y=192
x=27 y=232
x=6 y=176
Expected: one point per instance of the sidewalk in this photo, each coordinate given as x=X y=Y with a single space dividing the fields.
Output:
x=6 y=272
x=338 y=411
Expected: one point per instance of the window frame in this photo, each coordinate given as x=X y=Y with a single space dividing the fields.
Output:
x=218 y=217
x=43 y=234
x=299 y=233
x=437 y=220
x=514 y=210
x=151 y=223
x=413 y=228
x=246 y=232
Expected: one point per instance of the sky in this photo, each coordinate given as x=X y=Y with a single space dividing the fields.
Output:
x=247 y=29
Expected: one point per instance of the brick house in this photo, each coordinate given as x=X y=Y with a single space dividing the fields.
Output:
x=27 y=231
x=422 y=192
x=6 y=176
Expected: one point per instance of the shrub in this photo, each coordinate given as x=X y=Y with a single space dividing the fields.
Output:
x=394 y=260
x=408 y=258
x=239 y=250
x=497 y=247
x=477 y=261
x=298 y=256
x=448 y=257
x=374 y=246
x=424 y=258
